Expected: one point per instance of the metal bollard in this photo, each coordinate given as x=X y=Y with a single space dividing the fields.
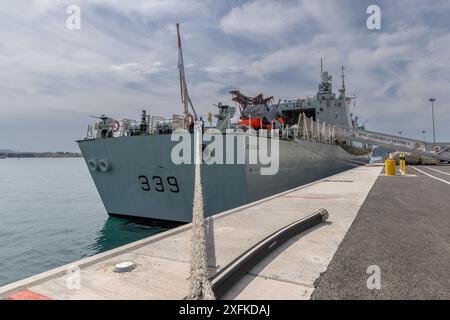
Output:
x=402 y=163
x=390 y=167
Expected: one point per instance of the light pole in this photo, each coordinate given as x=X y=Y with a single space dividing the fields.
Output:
x=423 y=132
x=432 y=100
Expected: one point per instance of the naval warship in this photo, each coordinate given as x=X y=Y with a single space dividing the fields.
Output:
x=131 y=163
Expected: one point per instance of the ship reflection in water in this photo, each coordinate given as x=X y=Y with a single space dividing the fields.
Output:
x=117 y=232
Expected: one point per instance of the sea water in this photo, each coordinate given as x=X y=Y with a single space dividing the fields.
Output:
x=52 y=215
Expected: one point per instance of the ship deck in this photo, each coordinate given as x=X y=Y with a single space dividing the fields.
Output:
x=397 y=223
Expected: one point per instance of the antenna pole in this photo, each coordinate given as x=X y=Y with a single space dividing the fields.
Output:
x=432 y=100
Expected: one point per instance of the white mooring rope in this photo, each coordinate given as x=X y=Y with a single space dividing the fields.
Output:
x=199 y=285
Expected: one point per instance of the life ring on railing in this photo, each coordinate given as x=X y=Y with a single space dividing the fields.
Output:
x=115 y=126
x=188 y=121
x=104 y=165
x=92 y=164
x=207 y=153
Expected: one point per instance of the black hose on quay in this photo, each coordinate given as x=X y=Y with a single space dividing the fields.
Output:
x=227 y=277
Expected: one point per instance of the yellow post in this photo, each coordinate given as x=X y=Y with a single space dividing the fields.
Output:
x=210 y=118
x=390 y=167
x=402 y=162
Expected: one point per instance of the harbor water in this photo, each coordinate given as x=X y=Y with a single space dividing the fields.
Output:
x=51 y=215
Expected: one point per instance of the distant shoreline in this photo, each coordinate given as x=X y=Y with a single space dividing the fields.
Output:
x=16 y=155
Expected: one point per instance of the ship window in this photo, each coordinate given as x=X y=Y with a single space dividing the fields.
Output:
x=321 y=109
x=328 y=104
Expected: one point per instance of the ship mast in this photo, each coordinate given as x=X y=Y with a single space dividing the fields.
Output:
x=342 y=90
x=321 y=67
x=185 y=99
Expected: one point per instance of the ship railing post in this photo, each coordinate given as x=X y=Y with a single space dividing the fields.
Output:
x=314 y=130
x=323 y=132
x=305 y=127
x=331 y=134
x=318 y=130
x=328 y=134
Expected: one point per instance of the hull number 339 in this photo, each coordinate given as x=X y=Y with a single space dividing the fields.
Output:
x=158 y=184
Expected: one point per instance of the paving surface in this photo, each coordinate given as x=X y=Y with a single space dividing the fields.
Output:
x=404 y=229
x=162 y=261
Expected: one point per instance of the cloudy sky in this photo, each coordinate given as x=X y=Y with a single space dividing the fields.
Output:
x=124 y=59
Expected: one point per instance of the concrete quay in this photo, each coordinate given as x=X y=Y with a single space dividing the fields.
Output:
x=317 y=257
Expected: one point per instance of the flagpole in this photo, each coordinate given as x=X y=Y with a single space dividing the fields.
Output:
x=183 y=89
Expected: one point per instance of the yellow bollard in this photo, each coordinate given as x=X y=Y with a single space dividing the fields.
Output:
x=402 y=162
x=390 y=167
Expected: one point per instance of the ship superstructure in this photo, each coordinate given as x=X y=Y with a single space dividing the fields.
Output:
x=325 y=106
x=132 y=166
x=130 y=161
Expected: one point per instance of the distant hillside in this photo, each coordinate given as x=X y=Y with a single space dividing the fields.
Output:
x=6 y=151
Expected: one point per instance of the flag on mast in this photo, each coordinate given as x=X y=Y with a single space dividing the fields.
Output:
x=180 y=52
x=181 y=67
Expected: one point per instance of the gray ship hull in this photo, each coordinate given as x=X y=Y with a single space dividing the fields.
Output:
x=141 y=180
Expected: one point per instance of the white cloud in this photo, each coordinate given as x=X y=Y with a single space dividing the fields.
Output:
x=262 y=18
x=124 y=58
x=135 y=67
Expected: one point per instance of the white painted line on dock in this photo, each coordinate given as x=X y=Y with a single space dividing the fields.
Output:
x=442 y=180
x=439 y=171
